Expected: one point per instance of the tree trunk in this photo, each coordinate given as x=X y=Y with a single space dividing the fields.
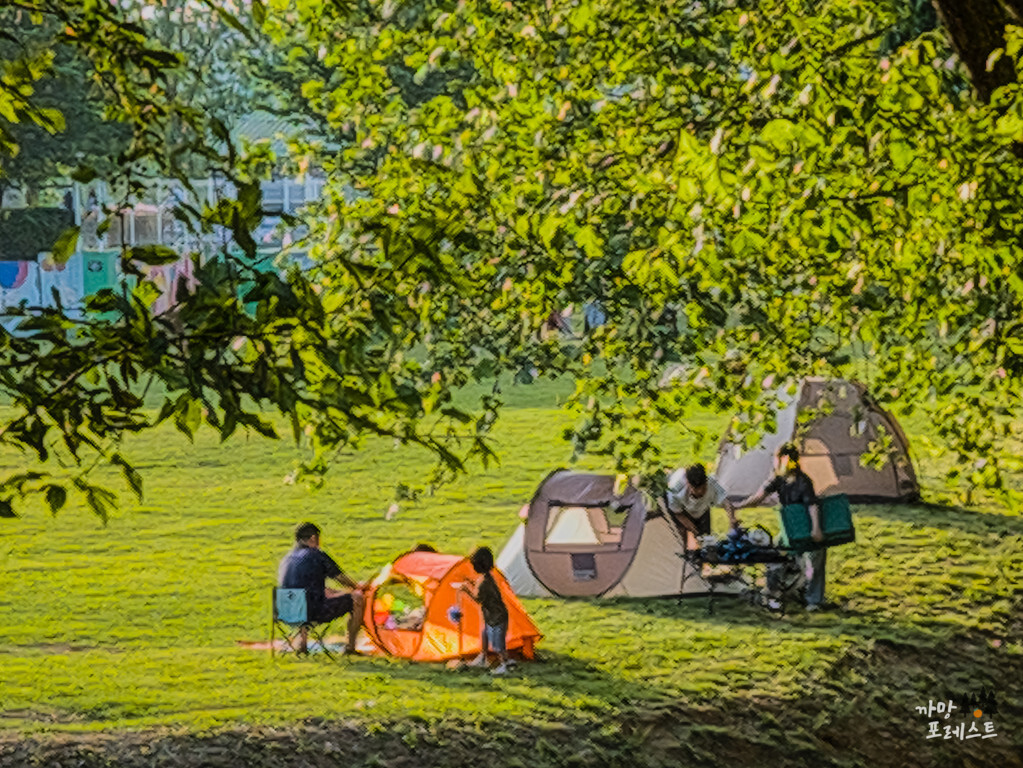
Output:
x=977 y=27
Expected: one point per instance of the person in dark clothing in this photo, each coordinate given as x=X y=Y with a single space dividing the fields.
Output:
x=495 y=612
x=793 y=486
x=308 y=567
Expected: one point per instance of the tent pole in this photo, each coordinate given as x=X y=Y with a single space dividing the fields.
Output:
x=458 y=608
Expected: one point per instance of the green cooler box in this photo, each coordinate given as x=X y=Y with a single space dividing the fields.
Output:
x=836 y=523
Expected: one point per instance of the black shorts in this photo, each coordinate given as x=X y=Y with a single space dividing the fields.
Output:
x=702 y=522
x=333 y=608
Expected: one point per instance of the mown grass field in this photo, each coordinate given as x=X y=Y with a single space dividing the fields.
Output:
x=121 y=643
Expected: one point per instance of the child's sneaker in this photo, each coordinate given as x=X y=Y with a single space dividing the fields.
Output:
x=479 y=661
x=501 y=669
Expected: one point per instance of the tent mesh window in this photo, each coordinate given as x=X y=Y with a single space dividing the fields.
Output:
x=399 y=605
x=584 y=566
x=585 y=526
x=843 y=465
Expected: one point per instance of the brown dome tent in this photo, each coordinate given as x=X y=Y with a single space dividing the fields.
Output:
x=846 y=421
x=582 y=539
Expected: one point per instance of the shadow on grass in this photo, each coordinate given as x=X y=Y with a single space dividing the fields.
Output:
x=843 y=621
x=972 y=521
x=547 y=663
x=859 y=707
x=858 y=711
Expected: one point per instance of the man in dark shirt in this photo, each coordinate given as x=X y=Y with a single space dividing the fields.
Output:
x=793 y=486
x=308 y=567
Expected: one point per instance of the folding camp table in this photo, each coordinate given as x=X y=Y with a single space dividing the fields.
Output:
x=753 y=558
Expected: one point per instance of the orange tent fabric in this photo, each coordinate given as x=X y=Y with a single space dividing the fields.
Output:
x=435 y=576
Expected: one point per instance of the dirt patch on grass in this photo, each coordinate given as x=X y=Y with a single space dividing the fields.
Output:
x=757 y=734
x=59 y=649
x=318 y=745
x=37 y=716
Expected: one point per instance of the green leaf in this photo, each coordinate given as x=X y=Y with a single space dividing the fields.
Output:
x=779 y=133
x=65 y=245
x=262 y=427
x=587 y=239
x=484 y=369
x=56 y=498
x=524 y=376
x=187 y=415
x=902 y=154
x=250 y=198
x=100 y=500
x=548 y=229
x=457 y=415
x=83 y=174
x=259 y=12
x=104 y=300
x=131 y=475
x=153 y=255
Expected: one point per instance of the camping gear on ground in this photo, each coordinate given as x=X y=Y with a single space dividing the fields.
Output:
x=584 y=538
x=759 y=536
x=741 y=546
x=846 y=421
x=443 y=631
x=289 y=615
x=741 y=552
x=835 y=518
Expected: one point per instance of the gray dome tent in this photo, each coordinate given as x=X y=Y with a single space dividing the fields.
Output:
x=831 y=444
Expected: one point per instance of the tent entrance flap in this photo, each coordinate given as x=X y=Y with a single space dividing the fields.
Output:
x=581 y=535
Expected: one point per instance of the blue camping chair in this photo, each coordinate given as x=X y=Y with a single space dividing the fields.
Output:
x=290 y=616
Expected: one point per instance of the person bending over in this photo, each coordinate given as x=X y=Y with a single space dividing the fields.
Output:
x=308 y=567
x=691 y=495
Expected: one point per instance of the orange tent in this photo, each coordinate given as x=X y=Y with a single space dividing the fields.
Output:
x=434 y=633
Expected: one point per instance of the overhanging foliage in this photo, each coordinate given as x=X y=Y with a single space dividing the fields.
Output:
x=750 y=192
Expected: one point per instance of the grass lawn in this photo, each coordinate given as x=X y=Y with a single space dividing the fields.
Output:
x=119 y=644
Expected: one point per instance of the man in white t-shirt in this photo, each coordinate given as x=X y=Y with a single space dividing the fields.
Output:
x=691 y=495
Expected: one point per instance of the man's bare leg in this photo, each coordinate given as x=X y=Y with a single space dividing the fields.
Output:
x=355 y=620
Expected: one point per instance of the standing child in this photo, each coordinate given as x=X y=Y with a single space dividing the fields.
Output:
x=495 y=613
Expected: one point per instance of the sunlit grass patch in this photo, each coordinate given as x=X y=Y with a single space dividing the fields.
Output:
x=136 y=625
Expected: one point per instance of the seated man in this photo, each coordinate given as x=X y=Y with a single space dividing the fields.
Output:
x=308 y=567
x=690 y=496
